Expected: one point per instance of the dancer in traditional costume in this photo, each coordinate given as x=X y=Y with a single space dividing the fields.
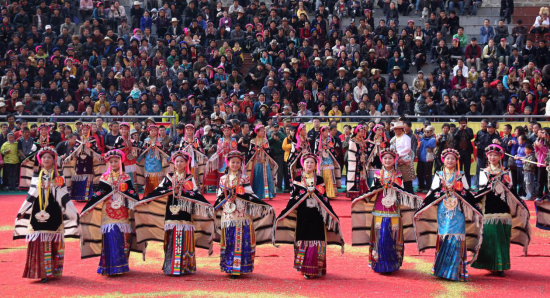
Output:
x=176 y=214
x=46 y=217
x=107 y=221
x=216 y=165
x=449 y=220
x=130 y=147
x=376 y=142
x=260 y=167
x=84 y=166
x=379 y=217
x=193 y=146
x=153 y=161
x=30 y=166
x=328 y=166
x=308 y=221
x=357 y=170
x=506 y=217
x=300 y=147
x=242 y=220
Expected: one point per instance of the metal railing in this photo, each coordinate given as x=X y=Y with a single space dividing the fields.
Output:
x=81 y=117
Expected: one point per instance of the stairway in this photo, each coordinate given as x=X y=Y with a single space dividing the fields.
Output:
x=247 y=65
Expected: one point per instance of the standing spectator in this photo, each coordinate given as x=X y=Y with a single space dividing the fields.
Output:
x=426 y=158
x=276 y=138
x=486 y=32
x=10 y=156
x=541 y=150
x=463 y=143
x=529 y=170
x=25 y=143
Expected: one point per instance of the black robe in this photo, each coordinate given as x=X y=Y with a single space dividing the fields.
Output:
x=299 y=222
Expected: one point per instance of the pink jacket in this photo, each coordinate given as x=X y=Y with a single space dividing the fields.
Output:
x=541 y=151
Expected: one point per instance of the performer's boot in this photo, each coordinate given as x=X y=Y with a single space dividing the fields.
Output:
x=44 y=280
x=233 y=276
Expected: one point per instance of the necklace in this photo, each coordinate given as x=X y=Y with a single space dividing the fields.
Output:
x=234 y=189
x=388 y=194
x=116 y=198
x=450 y=201
x=310 y=201
x=43 y=216
x=178 y=183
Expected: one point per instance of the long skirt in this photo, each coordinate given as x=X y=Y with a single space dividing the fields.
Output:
x=450 y=258
x=494 y=253
x=238 y=249
x=115 y=252
x=83 y=188
x=45 y=257
x=179 y=251
x=387 y=247
x=151 y=183
x=328 y=177
x=310 y=257
x=262 y=183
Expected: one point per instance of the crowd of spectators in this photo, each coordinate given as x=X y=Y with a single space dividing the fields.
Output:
x=187 y=59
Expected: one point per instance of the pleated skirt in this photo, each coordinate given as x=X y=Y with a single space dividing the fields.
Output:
x=387 y=248
x=238 y=249
x=450 y=258
x=310 y=257
x=44 y=258
x=151 y=183
x=115 y=252
x=494 y=253
x=328 y=177
x=83 y=190
x=262 y=183
x=179 y=252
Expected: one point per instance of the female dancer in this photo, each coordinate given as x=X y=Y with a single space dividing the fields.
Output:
x=260 y=167
x=107 y=221
x=176 y=214
x=46 y=217
x=300 y=147
x=503 y=212
x=356 y=181
x=83 y=166
x=216 y=165
x=448 y=211
x=193 y=146
x=308 y=221
x=376 y=142
x=242 y=220
x=328 y=166
x=30 y=165
x=130 y=148
x=384 y=211
x=153 y=160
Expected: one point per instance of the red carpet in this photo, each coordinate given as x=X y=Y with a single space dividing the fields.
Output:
x=274 y=276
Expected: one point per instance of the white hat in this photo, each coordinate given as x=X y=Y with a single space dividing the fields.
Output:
x=137 y=3
x=317 y=59
x=19 y=104
x=48 y=27
x=152 y=86
x=2 y=104
x=207 y=128
x=174 y=19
